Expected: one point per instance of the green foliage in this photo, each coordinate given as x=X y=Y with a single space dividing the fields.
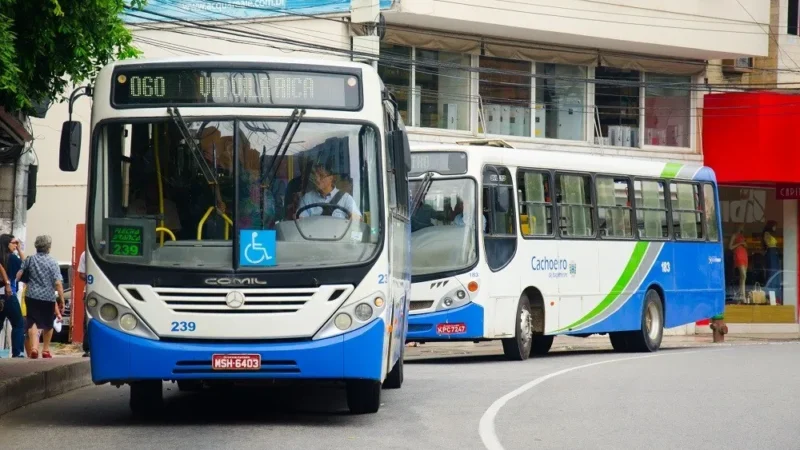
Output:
x=45 y=44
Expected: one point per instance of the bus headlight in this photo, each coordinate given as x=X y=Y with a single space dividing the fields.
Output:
x=343 y=321
x=365 y=310
x=118 y=316
x=128 y=322
x=108 y=312
x=457 y=297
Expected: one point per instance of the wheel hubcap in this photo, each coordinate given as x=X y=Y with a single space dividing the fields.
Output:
x=526 y=327
x=652 y=321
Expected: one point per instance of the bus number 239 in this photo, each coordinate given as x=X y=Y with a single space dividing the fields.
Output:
x=184 y=326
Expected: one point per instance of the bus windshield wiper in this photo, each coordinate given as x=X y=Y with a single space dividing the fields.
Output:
x=285 y=142
x=208 y=173
x=422 y=191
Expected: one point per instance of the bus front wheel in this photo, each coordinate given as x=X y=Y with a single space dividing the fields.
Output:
x=518 y=348
x=146 y=398
x=363 y=396
x=395 y=378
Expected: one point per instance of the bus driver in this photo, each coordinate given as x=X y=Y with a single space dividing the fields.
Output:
x=325 y=191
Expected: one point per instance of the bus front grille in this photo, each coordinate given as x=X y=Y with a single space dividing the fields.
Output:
x=251 y=301
x=420 y=304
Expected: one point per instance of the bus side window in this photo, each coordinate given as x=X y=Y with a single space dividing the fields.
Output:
x=651 y=209
x=687 y=214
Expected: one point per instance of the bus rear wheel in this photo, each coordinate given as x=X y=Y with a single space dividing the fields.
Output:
x=146 y=398
x=648 y=338
x=363 y=396
x=518 y=348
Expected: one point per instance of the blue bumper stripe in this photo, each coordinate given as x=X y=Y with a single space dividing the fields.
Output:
x=422 y=327
x=117 y=356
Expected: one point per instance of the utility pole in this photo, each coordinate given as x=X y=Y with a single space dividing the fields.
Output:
x=366 y=30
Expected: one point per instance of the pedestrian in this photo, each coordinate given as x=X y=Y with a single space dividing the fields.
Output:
x=10 y=263
x=82 y=274
x=42 y=275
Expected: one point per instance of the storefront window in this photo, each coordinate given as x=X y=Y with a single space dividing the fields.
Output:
x=667 y=109
x=395 y=71
x=444 y=89
x=560 y=101
x=506 y=96
x=752 y=227
x=617 y=103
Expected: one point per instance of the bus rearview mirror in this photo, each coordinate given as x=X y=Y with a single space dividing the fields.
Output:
x=70 y=149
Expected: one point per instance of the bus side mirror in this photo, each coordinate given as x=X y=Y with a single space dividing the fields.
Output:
x=70 y=151
x=401 y=155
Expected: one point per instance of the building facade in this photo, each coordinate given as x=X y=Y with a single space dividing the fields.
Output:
x=618 y=77
x=749 y=140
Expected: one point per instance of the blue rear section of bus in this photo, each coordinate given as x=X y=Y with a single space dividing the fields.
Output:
x=693 y=288
x=117 y=356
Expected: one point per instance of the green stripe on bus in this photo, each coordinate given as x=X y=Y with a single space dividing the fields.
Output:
x=623 y=281
x=671 y=170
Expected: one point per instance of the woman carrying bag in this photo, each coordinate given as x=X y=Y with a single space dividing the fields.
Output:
x=10 y=264
x=41 y=275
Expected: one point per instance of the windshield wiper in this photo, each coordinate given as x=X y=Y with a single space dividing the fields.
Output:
x=208 y=173
x=422 y=191
x=285 y=142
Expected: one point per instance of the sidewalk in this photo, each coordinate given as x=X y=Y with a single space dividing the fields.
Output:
x=25 y=381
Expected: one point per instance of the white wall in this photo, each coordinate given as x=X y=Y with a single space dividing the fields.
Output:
x=706 y=29
x=61 y=197
x=788 y=51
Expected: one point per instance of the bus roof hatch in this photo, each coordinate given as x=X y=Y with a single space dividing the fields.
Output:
x=487 y=142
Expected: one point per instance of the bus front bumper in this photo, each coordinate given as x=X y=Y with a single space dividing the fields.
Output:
x=120 y=357
x=463 y=323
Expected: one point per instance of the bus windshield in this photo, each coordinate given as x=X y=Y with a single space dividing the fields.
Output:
x=164 y=200
x=443 y=237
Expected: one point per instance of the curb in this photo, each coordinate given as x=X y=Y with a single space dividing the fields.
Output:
x=21 y=391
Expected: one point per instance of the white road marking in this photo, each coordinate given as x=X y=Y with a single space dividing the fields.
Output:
x=486 y=426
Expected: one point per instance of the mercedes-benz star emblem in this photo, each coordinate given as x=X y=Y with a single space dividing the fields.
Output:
x=234 y=299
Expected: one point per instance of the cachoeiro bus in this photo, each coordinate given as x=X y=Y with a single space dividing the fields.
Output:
x=522 y=245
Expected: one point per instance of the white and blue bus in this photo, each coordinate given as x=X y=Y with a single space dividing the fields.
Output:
x=247 y=220
x=522 y=246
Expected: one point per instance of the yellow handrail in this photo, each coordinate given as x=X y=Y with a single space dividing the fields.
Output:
x=228 y=223
x=160 y=185
x=165 y=230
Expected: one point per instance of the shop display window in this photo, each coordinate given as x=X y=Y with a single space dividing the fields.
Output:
x=667 y=106
x=444 y=90
x=752 y=229
x=395 y=71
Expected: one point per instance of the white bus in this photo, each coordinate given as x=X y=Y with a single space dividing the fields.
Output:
x=247 y=220
x=522 y=245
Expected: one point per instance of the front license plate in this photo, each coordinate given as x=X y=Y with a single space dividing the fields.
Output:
x=451 y=328
x=236 y=362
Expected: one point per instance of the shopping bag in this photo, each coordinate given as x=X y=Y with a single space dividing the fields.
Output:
x=757 y=295
x=22 y=301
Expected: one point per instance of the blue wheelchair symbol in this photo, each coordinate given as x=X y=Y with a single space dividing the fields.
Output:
x=257 y=248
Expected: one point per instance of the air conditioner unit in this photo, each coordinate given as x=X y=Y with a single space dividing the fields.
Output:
x=738 y=65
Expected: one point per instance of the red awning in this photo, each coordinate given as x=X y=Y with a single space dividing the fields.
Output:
x=752 y=137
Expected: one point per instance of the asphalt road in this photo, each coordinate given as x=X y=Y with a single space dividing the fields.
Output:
x=732 y=397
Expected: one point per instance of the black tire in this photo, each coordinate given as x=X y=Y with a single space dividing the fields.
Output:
x=541 y=345
x=619 y=341
x=363 y=396
x=395 y=378
x=648 y=338
x=146 y=398
x=518 y=348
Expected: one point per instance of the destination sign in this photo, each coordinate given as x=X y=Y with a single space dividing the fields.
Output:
x=125 y=240
x=443 y=163
x=148 y=87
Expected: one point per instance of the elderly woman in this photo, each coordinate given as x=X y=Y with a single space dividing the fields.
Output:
x=43 y=276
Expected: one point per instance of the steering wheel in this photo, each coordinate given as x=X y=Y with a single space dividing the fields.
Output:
x=326 y=207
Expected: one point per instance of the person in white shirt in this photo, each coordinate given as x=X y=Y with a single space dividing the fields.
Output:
x=82 y=274
x=326 y=192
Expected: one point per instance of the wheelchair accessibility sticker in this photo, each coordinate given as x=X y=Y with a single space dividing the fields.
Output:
x=257 y=248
